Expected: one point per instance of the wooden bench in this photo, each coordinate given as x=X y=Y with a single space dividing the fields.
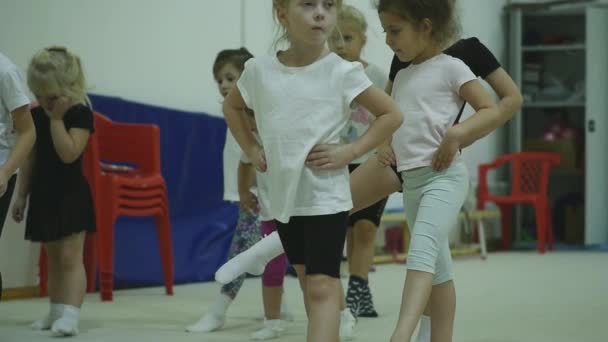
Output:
x=476 y=216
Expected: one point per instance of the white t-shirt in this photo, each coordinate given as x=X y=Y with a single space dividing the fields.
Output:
x=297 y=108
x=232 y=155
x=428 y=96
x=13 y=94
x=361 y=118
x=260 y=189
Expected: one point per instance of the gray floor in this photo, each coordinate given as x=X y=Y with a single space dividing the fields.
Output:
x=557 y=297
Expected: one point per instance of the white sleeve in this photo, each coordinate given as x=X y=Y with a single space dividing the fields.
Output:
x=355 y=82
x=246 y=83
x=458 y=74
x=377 y=76
x=12 y=90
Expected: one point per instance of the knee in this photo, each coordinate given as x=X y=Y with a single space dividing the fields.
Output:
x=365 y=233
x=275 y=272
x=69 y=259
x=321 y=287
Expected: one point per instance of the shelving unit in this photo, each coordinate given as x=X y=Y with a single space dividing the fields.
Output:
x=559 y=58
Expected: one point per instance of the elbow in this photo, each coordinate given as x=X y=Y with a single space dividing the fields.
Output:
x=518 y=102
x=398 y=120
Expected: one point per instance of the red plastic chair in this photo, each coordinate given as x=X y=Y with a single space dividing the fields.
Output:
x=138 y=192
x=529 y=185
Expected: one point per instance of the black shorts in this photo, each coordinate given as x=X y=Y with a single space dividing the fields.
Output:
x=373 y=213
x=316 y=242
x=394 y=168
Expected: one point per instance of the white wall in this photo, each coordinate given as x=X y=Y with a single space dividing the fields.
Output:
x=154 y=51
x=161 y=52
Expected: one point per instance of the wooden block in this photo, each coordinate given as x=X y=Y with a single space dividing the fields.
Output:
x=20 y=293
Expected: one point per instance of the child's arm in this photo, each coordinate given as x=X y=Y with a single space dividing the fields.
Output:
x=68 y=144
x=388 y=120
x=486 y=119
x=25 y=175
x=246 y=179
x=510 y=97
x=234 y=109
x=23 y=189
x=26 y=138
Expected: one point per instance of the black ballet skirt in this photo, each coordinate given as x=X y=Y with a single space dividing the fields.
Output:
x=60 y=201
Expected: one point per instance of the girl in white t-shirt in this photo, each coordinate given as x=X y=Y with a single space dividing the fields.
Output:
x=227 y=69
x=302 y=98
x=348 y=42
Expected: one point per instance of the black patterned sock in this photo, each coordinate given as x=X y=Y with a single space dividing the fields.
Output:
x=353 y=295
x=366 y=304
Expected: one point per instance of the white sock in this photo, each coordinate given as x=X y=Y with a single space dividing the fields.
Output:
x=67 y=325
x=272 y=329
x=55 y=312
x=214 y=319
x=424 y=332
x=253 y=260
x=347 y=325
x=286 y=315
x=221 y=305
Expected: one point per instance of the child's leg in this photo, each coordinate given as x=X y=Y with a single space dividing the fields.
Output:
x=252 y=261
x=365 y=224
x=246 y=234
x=54 y=288
x=69 y=254
x=370 y=183
x=325 y=237
x=272 y=279
x=324 y=306
x=364 y=192
x=443 y=297
x=441 y=196
x=74 y=279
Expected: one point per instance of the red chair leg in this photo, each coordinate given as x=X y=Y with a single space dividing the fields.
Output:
x=105 y=248
x=43 y=272
x=90 y=261
x=506 y=218
x=163 y=227
x=541 y=225
x=549 y=227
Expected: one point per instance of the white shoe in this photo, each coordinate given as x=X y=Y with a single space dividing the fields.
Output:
x=347 y=325
x=65 y=327
x=208 y=323
x=272 y=329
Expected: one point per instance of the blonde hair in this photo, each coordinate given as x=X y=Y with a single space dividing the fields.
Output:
x=281 y=34
x=352 y=15
x=56 y=71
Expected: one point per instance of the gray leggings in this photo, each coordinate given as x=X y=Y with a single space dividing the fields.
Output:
x=432 y=201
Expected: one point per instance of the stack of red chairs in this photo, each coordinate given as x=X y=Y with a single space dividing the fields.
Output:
x=123 y=163
x=530 y=173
